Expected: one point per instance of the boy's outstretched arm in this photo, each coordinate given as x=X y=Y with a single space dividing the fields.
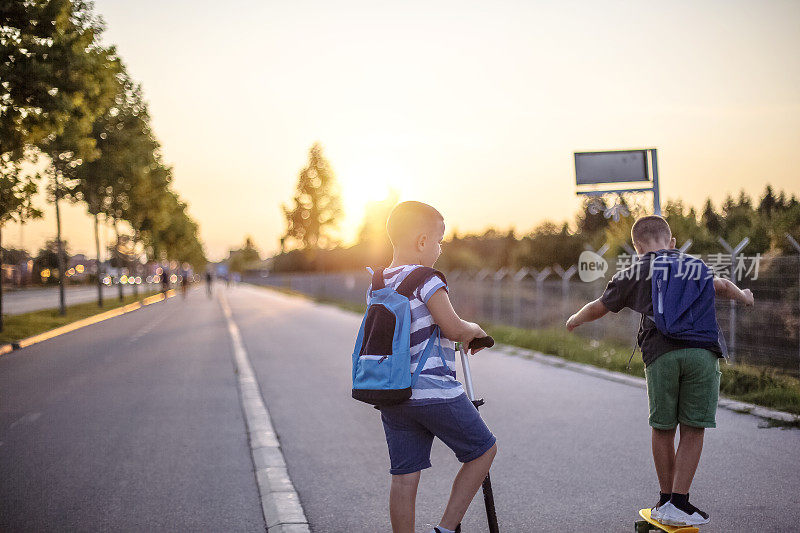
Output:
x=452 y=326
x=591 y=311
x=725 y=288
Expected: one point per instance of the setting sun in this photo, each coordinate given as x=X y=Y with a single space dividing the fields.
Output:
x=366 y=180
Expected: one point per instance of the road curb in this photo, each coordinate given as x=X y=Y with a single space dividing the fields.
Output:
x=83 y=322
x=619 y=377
x=280 y=503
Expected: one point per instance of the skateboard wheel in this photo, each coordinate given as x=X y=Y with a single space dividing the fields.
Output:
x=642 y=527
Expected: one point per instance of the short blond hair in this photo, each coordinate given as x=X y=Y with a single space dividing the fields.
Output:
x=409 y=219
x=652 y=228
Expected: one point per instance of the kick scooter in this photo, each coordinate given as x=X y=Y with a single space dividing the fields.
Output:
x=488 y=497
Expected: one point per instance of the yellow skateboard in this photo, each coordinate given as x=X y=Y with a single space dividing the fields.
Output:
x=649 y=524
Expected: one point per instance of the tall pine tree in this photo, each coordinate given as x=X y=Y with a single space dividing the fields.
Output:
x=317 y=206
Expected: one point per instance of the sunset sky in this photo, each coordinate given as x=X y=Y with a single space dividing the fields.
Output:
x=474 y=107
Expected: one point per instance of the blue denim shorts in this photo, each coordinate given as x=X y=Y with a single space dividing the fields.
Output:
x=410 y=430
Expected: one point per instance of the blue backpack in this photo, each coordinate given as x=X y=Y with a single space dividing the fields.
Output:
x=382 y=356
x=683 y=298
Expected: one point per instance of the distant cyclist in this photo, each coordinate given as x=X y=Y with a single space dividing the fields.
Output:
x=209 y=282
x=185 y=283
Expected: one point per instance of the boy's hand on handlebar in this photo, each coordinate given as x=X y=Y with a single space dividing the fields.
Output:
x=475 y=333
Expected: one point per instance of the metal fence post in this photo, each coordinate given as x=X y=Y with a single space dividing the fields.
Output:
x=565 y=277
x=536 y=299
x=480 y=277
x=628 y=249
x=540 y=277
x=796 y=246
x=732 y=318
x=517 y=306
x=498 y=294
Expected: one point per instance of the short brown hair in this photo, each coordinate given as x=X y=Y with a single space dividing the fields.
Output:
x=651 y=228
x=408 y=219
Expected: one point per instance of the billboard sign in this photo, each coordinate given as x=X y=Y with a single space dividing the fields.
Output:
x=611 y=167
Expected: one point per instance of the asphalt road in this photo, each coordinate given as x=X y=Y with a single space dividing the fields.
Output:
x=574 y=450
x=134 y=424
x=27 y=300
x=131 y=424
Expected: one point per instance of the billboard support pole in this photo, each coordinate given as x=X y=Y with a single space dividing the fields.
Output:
x=656 y=196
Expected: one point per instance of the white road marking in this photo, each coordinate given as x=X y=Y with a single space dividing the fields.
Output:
x=27 y=419
x=145 y=330
x=279 y=500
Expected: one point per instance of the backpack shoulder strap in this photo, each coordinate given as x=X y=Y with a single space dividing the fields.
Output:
x=416 y=278
x=432 y=344
x=377 y=279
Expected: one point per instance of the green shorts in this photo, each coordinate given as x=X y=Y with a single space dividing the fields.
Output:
x=683 y=386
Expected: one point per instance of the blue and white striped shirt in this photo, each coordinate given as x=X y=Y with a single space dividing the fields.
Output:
x=437 y=383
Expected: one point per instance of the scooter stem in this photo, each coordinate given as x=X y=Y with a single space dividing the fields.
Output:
x=467 y=373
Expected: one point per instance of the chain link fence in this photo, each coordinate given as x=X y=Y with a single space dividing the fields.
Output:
x=767 y=334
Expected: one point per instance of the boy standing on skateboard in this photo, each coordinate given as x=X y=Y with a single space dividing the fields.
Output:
x=438 y=406
x=682 y=370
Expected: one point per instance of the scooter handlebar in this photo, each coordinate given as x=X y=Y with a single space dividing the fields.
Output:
x=481 y=342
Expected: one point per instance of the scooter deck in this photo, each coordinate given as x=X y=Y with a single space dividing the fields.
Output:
x=644 y=527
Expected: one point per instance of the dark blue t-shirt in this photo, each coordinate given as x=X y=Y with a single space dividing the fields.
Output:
x=632 y=288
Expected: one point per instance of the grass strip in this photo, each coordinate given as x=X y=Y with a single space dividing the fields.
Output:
x=758 y=385
x=552 y=341
x=18 y=327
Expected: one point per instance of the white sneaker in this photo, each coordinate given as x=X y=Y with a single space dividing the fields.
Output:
x=672 y=516
x=655 y=513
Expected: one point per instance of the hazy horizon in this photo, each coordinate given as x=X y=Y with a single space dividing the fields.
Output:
x=473 y=108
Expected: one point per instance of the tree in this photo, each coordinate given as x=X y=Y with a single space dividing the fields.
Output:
x=65 y=94
x=238 y=260
x=149 y=200
x=768 y=202
x=685 y=226
x=178 y=238
x=16 y=194
x=317 y=206
x=711 y=219
x=47 y=259
x=782 y=204
x=787 y=222
x=39 y=41
x=125 y=154
x=550 y=244
x=592 y=221
x=88 y=72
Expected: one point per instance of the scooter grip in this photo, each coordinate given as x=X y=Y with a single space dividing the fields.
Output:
x=481 y=342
